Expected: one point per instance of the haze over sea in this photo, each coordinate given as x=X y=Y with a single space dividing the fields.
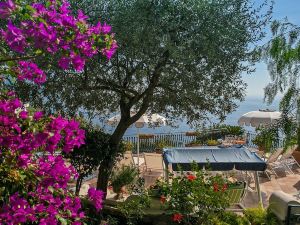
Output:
x=251 y=103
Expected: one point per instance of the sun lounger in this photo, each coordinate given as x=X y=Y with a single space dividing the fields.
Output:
x=288 y=159
x=273 y=163
x=284 y=161
x=153 y=162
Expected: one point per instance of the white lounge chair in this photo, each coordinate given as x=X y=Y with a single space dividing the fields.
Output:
x=153 y=162
x=285 y=161
x=288 y=158
x=273 y=163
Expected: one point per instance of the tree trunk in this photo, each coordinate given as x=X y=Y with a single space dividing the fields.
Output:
x=104 y=174
x=298 y=138
x=126 y=120
x=107 y=164
x=78 y=185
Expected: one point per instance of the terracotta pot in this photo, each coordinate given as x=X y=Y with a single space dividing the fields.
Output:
x=192 y=145
x=121 y=193
x=261 y=149
x=123 y=189
x=158 y=151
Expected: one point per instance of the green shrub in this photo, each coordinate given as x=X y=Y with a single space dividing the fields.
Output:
x=228 y=218
x=260 y=216
x=133 y=209
x=89 y=156
x=212 y=142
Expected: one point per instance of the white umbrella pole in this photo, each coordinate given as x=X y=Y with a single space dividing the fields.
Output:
x=138 y=148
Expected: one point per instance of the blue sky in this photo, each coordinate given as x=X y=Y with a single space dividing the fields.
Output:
x=260 y=78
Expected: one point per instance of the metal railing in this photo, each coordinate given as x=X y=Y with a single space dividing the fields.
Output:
x=180 y=139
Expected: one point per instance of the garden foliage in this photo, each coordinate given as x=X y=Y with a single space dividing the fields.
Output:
x=183 y=59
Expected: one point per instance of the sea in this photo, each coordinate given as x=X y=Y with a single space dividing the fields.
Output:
x=251 y=103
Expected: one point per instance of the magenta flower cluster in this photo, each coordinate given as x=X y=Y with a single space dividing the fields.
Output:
x=55 y=133
x=96 y=197
x=52 y=29
x=30 y=142
x=47 y=200
x=50 y=209
x=30 y=71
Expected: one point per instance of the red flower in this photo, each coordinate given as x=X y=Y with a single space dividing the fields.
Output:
x=177 y=217
x=224 y=188
x=216 y=187
x=163 y=199
x=191 y=177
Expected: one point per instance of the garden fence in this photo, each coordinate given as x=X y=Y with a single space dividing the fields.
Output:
x=179 y=139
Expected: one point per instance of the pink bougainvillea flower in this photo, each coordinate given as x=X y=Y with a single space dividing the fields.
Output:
x=96 y=197
x=38 y=115
x=64 y=63
x=16 y=103
x=30 y=71
x=78 y=63
x=106 y=28
x=15 y=38
x=48 y=29
x=81 y=17
x=23 y=115
x=24 y=160
x=6 y=8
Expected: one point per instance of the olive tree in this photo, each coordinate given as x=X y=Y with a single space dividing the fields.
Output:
x=183 y=59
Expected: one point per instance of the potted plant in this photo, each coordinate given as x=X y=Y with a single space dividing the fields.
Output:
x=212 y=142
x=128 y=146
x=157 y=196
x=126 y=175
x=193 y=143
x=265 y=139
x=159 y=145
x=259 y=141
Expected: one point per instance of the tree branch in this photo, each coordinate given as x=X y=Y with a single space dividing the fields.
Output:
x=17 y=59
x=148 y=93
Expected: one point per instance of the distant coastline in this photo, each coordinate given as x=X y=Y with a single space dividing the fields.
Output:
x=251 y=103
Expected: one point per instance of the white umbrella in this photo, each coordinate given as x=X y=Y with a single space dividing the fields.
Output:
x=152 y=120
x=259 y=118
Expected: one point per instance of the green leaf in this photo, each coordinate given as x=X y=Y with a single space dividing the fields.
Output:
x=51 y=189
x=29 y=8
x=63 y=221
x=48 y=3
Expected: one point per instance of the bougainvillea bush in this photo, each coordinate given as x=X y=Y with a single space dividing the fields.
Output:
x=34 y=176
